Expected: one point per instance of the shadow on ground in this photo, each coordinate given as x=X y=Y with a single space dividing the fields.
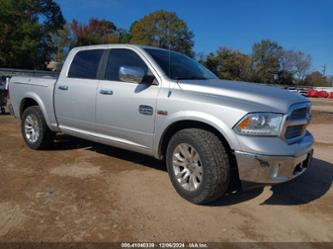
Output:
x=65 y=142
x=313 y=184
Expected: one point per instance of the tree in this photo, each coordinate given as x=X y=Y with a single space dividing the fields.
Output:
x=316 y=79
x=330 y=80
x=165 y=30
x=124 y=35
x=229 y=64
x=293 y=63
x=286 y=72
x=287 y=61
x=64 y=41
x=302 y=64
x=98 y=31
x=266 y=57
x=26 y=29
x=95 y=32
x=284 y=77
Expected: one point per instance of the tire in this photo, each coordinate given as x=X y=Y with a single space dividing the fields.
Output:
x=35 y=132
x=210 y=174
x=3 y=111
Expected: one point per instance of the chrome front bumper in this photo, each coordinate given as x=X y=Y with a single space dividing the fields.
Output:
x=263 y=169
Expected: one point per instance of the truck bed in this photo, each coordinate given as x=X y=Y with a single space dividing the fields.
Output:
x=38 y=88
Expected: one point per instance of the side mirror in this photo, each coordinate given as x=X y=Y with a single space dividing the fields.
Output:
x=131 y=74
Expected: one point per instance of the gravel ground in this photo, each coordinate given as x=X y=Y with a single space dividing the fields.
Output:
x=85 y=192
x=320 y=104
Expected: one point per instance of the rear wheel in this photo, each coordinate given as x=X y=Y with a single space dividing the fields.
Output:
x=35 y=131
x=198 y=165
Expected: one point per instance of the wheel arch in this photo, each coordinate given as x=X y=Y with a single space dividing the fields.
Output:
x=25 y=103
x=235 y=183
x=31 y=99
x=183 y=124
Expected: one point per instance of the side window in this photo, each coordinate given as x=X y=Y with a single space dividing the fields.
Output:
x=122 y=57
x=85 y=64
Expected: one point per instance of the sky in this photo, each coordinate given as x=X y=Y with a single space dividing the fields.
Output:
x=305 y=25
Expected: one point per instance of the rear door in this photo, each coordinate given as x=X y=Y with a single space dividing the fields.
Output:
x=126 y=111
x=75 y=93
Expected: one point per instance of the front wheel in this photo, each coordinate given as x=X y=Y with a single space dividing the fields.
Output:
x=35 y=131
x=198 y=165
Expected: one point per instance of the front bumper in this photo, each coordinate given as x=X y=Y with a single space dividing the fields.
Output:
x=264 y=169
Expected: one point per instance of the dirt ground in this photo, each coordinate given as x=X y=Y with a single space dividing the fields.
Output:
x=321 y=104
x=84 y=192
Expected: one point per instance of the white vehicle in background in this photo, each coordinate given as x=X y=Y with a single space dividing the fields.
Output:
x=303 y=91
x=291 y=89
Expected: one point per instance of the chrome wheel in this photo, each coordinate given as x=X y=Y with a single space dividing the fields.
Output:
x=187 y=166
x=31 y=128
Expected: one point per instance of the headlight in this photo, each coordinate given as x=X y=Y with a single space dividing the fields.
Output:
x=260 y=124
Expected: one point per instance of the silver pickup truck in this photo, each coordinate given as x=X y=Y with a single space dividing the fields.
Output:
x=210 y=132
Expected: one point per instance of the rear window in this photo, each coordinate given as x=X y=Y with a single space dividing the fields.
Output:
x=85 y=64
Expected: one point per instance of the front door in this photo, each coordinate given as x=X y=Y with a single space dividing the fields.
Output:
x=126 y=111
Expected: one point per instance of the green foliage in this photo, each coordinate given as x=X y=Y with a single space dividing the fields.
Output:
x=64 y=41
x=229 y=64
x=284 y=77
x=266 y=61
x=124 y=36
x=33 y=32
x=26 y=28
x=95 y=32
x=165 y=30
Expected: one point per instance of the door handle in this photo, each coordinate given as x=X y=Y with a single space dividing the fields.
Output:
x=106 y=92
x=64 y=88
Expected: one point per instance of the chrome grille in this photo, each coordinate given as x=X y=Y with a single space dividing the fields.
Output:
x=299 y=113
x=296 y=122
x=294 y=131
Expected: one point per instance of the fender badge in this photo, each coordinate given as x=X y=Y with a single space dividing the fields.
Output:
x=163 y=113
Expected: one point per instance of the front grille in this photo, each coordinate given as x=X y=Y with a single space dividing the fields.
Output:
x=297 y=121
x=294 y=131
x=299 y=113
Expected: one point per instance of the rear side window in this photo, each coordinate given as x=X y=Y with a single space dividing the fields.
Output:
x=122 y=57
x=85 y=64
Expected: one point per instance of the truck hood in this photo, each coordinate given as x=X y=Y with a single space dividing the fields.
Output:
x=269 y=98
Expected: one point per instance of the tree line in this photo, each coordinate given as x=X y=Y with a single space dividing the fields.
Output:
x=268 y=62
x=34 y=32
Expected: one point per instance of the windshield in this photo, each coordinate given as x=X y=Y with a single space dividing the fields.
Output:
x=178 y=66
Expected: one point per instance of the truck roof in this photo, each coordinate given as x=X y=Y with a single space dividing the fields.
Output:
x=116 y=45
